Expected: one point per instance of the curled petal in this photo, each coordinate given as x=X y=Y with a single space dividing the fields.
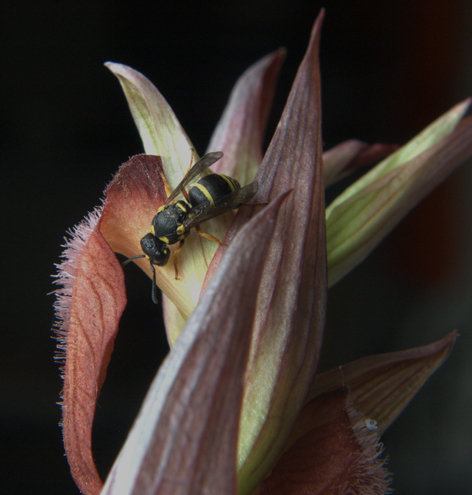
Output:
x=350 y=155
x=339 y=454
x=184 y=440
x=382 y=386
x=240 y=132
x=89 y=308
x=367 y=211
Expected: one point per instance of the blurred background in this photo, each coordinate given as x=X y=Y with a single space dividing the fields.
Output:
x=388 y=69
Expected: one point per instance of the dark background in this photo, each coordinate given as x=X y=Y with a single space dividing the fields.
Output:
x=388 y=69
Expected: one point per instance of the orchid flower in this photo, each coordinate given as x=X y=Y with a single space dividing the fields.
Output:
x=237 y=406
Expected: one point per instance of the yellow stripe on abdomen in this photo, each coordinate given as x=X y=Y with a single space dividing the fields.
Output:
x=232 y=183
x=205 y=192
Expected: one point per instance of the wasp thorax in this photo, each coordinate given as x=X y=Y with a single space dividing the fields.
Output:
x=167 y=224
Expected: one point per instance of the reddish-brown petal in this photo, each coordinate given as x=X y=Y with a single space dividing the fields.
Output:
x=184 y=440
x=240 y=132
x=89 y=308
x=350 y=155
x=339 y=455
x=382 y=386
x=93 y=298
x=371 y=154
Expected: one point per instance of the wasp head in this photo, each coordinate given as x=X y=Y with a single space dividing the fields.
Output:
x=156 y=251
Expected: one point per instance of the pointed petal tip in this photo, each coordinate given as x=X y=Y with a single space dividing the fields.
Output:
x=460 y=108
x=316 y=31
x=381 y=386
x=115 y=67
x=241 y=129
x=467 y=102
x=124 y=70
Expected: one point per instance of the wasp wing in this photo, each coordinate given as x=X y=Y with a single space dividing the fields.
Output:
x=207 y=161
x=231 y=201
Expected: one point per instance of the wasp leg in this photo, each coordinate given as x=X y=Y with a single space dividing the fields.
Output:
x=192 y=158
x=164 y=180
x=210 y=237
x=176 y=267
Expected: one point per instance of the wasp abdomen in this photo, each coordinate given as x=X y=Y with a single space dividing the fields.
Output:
x=211 y=188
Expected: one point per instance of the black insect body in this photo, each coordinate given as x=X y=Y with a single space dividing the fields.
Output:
x=211 y=196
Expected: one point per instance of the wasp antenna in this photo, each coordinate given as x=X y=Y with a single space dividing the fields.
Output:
x=132 y=259
x=155 y=300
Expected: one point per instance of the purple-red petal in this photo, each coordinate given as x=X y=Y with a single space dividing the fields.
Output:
x=93 y=298
x=240 y=131
x=184 y=440
x=350 y=155
x=340 y=454
x=291 y=300
x=132 y=199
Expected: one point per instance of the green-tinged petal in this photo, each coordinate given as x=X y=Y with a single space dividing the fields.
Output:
x=382 y=386
x=291 y=301
x=240 y=131
x=338 y=454
x=348 y=156
x=184 y=440
x=367 y=211
x=157 y=124
x=440 y=128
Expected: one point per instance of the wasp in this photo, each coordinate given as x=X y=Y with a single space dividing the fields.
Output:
x=209 y=197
